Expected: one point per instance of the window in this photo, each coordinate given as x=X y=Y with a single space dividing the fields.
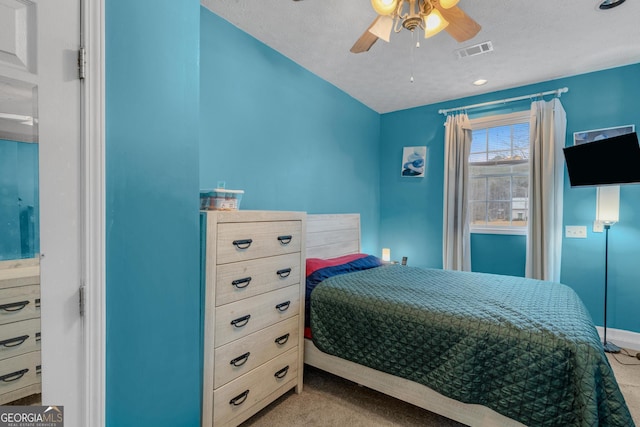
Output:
x=499 y=174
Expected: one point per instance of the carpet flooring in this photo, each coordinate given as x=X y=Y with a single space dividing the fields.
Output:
x=328 y=400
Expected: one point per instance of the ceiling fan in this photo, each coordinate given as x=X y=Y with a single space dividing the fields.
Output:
x=432 y=16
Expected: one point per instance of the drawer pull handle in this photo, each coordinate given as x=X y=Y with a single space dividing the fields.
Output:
x=285 y=240
x=285 y=272
x=240 y=360
x=245 y=282
x=241 y=321
x=242 y=244
x=282 y=340
x=14 y=342
x=14 y=376
x=283 y=306
x=282 y=373
x=14 y=306
x=239 y=399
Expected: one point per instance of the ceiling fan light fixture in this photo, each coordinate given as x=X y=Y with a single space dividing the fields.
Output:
x=448 y=4
x=434 y=23
x=384 y=7
x=426 y=15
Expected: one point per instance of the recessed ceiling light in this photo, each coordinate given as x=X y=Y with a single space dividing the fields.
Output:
x=480 y=82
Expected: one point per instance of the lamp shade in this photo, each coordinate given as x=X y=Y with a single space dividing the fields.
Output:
x=386 y=254
x=434 y=23
x=608 y=204
x=448 y=4
x=384 y=7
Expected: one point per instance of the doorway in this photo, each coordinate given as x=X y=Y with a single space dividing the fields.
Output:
x=39 y=43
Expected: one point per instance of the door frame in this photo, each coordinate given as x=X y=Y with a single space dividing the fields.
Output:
x=93 y=210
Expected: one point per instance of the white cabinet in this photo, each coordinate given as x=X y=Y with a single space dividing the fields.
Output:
x=19 y=329
x=253 y=311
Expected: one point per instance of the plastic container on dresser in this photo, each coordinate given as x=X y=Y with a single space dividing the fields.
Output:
x=253 y=311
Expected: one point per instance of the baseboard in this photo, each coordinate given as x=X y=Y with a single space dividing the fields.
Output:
x=621 y=338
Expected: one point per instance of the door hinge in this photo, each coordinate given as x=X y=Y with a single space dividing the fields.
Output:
x=82 y=299
x=82 y=63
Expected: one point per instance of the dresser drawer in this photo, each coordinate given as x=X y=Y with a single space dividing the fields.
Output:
x=248 y=278
x=241 y=318
x=19 y=338
x=251 y=240
x=19 y=303
x=241 y=394
x=241 y=356
x=18 y=372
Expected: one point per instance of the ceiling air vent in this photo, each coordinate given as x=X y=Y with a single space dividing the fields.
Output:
x=476 y=49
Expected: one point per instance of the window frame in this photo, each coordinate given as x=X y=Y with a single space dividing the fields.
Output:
x=497 y=121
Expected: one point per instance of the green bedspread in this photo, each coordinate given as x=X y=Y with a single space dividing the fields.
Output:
x=528 y=349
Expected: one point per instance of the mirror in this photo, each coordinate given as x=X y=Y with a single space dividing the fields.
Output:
x=20 y=381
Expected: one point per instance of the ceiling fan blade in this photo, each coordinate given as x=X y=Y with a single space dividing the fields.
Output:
x=461 y=26
x=382 y=27
x=376 y=30
x=364 y=43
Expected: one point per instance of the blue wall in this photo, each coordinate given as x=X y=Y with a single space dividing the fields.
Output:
x=153 y=358
x=291 y=141
x=411 y=208
x=287 y=138
x=19 y=200
x=498 y=254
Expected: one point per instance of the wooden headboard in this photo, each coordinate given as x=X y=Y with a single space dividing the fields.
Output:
x=332 y=235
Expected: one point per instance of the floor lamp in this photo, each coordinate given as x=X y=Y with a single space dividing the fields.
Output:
x=607 y=213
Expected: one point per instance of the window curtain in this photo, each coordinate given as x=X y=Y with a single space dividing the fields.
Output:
x=456 y=250
x=547 y=134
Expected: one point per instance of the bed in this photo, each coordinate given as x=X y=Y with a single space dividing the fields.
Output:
x=519 y=352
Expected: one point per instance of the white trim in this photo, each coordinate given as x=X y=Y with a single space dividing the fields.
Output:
x=516 y=231
x=93 y=180
x=621 y=338
x=496 y=121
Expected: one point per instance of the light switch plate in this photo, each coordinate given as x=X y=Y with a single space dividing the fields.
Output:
x=598 y=226
x=576 y=231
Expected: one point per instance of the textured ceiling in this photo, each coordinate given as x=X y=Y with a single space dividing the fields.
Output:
x=533 y=41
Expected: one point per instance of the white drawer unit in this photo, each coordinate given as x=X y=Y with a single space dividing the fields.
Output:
x=241 y=356
x=253 y=311
x=19 y=329
x=19 y=303
x=19 y=376
x=239 y=280
x=19 y=337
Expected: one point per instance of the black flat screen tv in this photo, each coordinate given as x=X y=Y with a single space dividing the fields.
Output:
x=608 y=161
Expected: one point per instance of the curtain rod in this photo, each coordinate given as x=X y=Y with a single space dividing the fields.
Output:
x=557 y=92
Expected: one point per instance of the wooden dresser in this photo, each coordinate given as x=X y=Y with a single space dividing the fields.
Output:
x=19 y=329
x=254 y=311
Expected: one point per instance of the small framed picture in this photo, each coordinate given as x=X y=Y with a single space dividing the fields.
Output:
x=414 y=161
x=598 y=134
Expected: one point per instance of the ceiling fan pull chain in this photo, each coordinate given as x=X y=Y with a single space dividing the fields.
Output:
x=414 y=46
